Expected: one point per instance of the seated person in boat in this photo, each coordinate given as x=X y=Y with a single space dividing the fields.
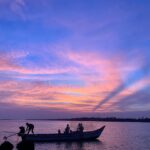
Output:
x=59 y=131
x=80 y=128
x=22 y=131
x=71 y=131
x=67 y=129
x=30 y=127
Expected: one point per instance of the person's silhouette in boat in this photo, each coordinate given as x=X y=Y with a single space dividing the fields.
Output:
x=80 y=128
x=30 y=127
x=59 y=131
x=22 y=131
x=67 y=129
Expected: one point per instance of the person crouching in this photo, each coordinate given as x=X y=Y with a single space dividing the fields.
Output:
x=30 y=128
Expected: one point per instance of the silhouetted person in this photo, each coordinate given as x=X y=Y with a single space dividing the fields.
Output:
x=59 y=132
x=30 y=127
x=80 y=127
x=22 y=131
x=25 y=145
x=67 y=129
x=6 y=146
x=71 y=131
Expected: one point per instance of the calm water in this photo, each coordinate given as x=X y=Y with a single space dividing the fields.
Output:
x=116 y=136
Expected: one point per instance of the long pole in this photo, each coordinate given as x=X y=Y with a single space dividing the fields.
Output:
x=5 y=137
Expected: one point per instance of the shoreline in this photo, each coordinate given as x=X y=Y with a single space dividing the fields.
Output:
x=100 y=119
x=111 y=119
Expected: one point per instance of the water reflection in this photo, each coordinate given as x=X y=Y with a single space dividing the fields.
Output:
x=116 y=136
x=71 y=145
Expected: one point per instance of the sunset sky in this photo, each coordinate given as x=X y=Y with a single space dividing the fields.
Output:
x=72 y=58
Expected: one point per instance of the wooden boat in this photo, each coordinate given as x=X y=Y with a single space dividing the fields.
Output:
x=74 y=136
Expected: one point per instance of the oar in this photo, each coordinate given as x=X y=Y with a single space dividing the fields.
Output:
x=5 y=137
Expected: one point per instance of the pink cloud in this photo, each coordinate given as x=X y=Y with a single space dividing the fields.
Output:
x=101 y=75
x=8 y=62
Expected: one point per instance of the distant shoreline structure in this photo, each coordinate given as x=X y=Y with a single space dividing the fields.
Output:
x=107 y=119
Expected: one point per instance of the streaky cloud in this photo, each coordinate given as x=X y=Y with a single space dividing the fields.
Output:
x=132 y=79
x=138 y=99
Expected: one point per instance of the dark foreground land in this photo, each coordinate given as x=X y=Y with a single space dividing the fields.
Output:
x=110 y=119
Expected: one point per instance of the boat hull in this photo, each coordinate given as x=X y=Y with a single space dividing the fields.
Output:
x=74 y=136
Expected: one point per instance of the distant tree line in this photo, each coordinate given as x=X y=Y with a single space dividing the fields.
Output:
x=111 y=119
x=107 y=119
